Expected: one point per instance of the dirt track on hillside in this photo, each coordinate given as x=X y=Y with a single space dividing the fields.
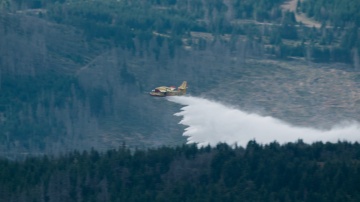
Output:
x=300 y=17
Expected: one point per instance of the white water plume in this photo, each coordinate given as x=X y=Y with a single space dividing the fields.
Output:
x=211 y=122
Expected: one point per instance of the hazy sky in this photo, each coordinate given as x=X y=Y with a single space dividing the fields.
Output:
x=211 y=122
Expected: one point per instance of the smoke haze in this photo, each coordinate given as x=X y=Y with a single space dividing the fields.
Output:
x=210 y=122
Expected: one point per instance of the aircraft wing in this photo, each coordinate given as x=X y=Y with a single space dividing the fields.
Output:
x=162 y=89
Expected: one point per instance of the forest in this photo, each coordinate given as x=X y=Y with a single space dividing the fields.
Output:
x=123 y=22
x=74 y=76
x=334 y=12
x=272 y=172
x=41 y=89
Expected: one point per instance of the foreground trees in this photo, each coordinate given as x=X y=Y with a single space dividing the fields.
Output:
x=291 y=172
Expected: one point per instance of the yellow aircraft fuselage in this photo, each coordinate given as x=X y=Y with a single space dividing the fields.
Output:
x=164 y=91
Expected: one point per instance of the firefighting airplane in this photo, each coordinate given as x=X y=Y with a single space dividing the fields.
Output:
x=163 y=91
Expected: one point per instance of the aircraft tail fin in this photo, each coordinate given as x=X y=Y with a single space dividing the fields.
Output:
x=183 y=87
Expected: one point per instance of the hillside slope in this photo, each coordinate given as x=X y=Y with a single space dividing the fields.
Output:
x=77 y=75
